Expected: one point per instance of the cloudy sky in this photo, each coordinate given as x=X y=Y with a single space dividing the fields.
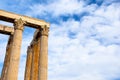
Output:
x=84 y=38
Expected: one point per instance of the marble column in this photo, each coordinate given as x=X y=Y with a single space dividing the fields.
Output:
x=7 y=58
x=15 y=51
x=35 y=59
x=43 y=58
x=28 y=63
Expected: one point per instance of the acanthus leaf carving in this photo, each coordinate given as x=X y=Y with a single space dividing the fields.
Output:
x=44 y=30
x=19 y=24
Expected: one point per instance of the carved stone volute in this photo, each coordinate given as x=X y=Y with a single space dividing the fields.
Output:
x=19 y=24
x=44 y=30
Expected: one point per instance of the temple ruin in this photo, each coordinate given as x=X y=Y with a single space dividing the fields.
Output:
x=37 y=53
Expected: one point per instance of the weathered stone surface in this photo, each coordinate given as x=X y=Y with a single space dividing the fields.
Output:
x=35 y=61
x=15 y=53
x=28 y=64
x=37 y=54
x=32 y=22
x=39 y=45
x=43 y=58
x=18 y=24
x=35 y=47
x=6 y=30
x=7 y=59
x=44 y=30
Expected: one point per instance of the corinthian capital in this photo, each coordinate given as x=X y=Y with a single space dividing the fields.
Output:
x=19 y=24
x=44 y=30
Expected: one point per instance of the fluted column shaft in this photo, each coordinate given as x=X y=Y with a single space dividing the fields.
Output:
x=15 y=51
x=35 y=60
x=43 y=58
x=28 y=64
x=7 y=58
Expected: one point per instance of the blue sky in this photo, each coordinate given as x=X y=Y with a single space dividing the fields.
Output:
x=84 y=38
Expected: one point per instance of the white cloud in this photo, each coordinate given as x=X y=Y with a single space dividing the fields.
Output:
x=81 y=55
x=84 y=56
x=57 y=8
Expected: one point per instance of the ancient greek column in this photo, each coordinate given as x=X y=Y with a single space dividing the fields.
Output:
x=15 y=51
x=28 y=64
x=7 y=58
x=43 y=57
